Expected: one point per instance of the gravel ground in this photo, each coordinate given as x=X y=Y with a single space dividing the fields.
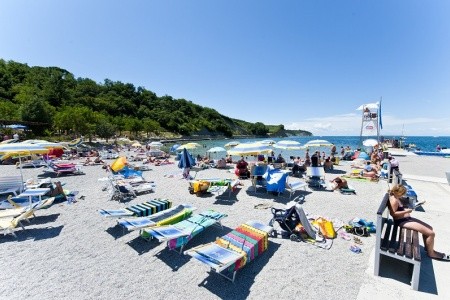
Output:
x=70 y=252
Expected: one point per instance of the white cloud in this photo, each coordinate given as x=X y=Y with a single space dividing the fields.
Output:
x=350 y=124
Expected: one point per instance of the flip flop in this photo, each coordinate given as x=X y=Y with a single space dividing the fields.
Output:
x=357 y=240
x=355 y=249
x=344 y=235
x=445 y=257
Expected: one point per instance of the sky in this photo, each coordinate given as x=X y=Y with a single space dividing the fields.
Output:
x=304 y=64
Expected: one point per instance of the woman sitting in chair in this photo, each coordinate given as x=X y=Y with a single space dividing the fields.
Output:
x=242 y=168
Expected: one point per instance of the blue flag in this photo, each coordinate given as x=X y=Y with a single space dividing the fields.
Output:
x=379 y=116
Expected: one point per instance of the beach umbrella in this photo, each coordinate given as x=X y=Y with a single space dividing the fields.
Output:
x=288 y=145
x=136 y=144
x=155 y=144
x=231 y=144
x=250 y=149
x=189 y=146
x=20 y=149
x=363 y=155
x=174 y=148
x=118 y=164
x=370 y=142
x=267 y=142
x=318 y=143
x=186 y=162
x=216 y=149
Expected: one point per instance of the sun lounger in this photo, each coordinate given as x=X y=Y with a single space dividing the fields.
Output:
x=179 y=234
x=315 y=176
x=148 y=208
x=215 y=185
x=234 y=250
x=169 y=216
x=11 y=185
x=8 y=224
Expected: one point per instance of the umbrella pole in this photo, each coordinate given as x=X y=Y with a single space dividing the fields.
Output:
x=21 y=175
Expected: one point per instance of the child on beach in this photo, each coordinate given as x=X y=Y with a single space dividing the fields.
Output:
x=402 y=218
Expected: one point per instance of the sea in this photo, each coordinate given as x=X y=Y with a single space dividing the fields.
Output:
x=423 y=143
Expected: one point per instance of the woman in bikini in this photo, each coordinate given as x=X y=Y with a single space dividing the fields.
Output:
x=402 y=218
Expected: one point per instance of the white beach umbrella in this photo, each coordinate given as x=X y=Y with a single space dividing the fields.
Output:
x=216 y=149
x=267 y=142
x=370 y=142
x=287 y=144
x=231 y=144
x=318 y=143
x=250 y=149
x=155 y=144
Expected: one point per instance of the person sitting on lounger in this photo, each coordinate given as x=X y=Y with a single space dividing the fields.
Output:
x=402 y=218
x=369 y=171
x=328 y=164
x=339 y=183
x=242 y=168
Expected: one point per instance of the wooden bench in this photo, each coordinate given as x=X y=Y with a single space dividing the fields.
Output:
x=11 y=185
x=396 y=242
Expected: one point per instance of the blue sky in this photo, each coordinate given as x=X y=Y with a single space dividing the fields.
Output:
x=305 y=64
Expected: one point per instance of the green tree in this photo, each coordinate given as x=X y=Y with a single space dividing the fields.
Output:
x=105 y=129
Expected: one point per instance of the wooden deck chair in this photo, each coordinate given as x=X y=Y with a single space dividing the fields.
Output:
x=234 y=250
x=179 y=234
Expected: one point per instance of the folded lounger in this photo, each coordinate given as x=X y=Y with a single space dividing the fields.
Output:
x=181 y=233
x=148 y=208
x=169 y=216
x=234 y=250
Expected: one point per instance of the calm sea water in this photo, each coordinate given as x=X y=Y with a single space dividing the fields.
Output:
x=424 y=143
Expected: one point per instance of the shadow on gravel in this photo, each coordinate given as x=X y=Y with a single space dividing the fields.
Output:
x=43 y=219
x=225 y=289
x=35 y=234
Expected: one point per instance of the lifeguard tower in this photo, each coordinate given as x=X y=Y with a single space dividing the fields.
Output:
x=370 y=125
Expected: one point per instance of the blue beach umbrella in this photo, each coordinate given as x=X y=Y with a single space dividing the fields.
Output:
x=186 y=162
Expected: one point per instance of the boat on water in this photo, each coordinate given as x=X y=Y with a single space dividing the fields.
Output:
x=443 y=153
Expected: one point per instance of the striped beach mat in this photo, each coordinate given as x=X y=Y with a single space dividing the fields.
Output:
x=144 y=209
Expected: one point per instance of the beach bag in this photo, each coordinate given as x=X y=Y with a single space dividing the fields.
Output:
x=325 y=227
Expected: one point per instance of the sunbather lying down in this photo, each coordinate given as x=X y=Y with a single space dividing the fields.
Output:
x=364 y=174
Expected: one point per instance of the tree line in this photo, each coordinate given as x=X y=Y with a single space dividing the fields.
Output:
x=81 y=106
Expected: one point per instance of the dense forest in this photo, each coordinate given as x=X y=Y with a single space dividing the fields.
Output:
x=51 y=101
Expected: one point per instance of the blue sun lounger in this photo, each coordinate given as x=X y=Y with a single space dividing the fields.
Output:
x=138 y=210
x=179 y=234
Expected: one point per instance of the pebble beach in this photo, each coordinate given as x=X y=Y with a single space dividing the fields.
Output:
x=69 y=251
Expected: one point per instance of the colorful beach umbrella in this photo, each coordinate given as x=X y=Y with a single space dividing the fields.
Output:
x=20 y=149
x=250 y=149
x=189 y=146
x=287 y=145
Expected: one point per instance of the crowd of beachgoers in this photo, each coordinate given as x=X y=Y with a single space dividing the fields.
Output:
x=69 y=250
